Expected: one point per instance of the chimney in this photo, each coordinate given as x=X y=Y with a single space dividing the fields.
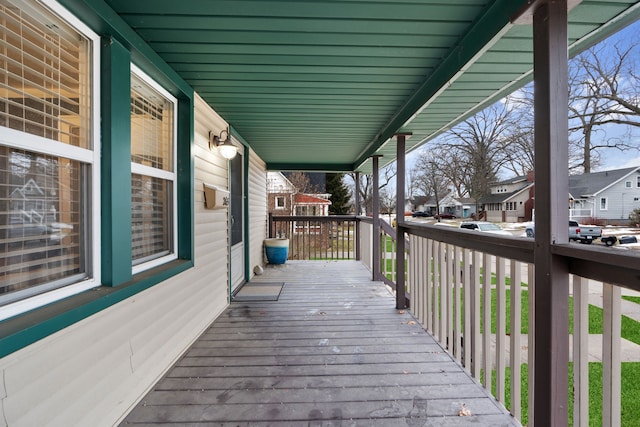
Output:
x=531 y=176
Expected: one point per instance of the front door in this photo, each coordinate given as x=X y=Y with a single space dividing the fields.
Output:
x=236 y=219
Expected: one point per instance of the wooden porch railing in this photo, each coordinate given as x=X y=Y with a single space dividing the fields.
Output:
x=472 y=292
x=317 y=237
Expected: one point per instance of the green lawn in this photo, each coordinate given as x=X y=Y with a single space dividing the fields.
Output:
x=630 y=395
x=632 y=299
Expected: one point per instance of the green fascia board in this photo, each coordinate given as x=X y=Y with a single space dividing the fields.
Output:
x=105 y=21
x=21 y=331
x=495 y=20
x=310 y=167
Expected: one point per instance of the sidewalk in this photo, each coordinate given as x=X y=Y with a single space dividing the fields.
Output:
x=627 y=308
x=630 y=352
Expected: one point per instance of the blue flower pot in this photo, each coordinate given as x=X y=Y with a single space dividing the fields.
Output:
x=277 y=250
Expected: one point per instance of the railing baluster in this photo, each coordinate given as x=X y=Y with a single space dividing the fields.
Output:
x=580 y=352
x=435 y=314
x=466 y=297
x=412 y=282
x=611 y=369
x=516 y=341
x=424 y=282
x=431 y=260
x=501 y=342
x=444 y=315
x=419 y=255
x=486 y=319
x=475 y=315
x=456 y=317
x=531 y=286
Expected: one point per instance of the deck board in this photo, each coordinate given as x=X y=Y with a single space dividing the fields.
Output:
x=333 y=350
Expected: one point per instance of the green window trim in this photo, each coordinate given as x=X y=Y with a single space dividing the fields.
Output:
x=120 y=46
x=23 y=330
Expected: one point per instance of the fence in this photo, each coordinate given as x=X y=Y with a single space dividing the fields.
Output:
x=317 y=237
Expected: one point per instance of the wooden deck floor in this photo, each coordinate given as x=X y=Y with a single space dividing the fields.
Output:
x=332 y=351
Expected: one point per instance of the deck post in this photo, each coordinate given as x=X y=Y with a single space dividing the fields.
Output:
x=375 y=262
x=550 y=74
x=401 y=299
x=357 y=212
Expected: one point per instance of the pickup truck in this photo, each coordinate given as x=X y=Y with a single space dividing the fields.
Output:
x=577 y=232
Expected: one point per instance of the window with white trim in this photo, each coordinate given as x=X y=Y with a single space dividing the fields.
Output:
x=638 y=181
x=627 y=184
x=153 y=177
x=49 y=156
x=280 y=202
x=603 y=203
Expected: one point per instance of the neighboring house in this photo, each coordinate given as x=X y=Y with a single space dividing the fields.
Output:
x=608 y=195
x=510 y=200
x=461 y=207
x=283 y=198
x=280 y=194
x=311 y=204
x=417 y=203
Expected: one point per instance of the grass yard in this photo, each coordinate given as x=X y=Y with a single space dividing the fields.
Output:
x=630 y=393
x=632 y=299
x=630 y=396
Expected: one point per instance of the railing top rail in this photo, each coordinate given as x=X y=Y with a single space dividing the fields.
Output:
x=620 y=268
x=613 y=266
x=325 y=218
x=506 y=247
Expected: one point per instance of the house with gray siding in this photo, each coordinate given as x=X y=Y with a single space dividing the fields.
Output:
x=608 y=195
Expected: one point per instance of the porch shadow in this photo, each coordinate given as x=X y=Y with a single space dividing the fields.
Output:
x=333 y=350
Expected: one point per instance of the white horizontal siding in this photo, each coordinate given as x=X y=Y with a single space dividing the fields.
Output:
x=621 y=201
x=257 y=209
x=94 y=371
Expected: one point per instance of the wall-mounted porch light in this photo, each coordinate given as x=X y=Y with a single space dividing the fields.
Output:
x=223 y=144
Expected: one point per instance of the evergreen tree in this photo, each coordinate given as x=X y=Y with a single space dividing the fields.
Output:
x=340 y=194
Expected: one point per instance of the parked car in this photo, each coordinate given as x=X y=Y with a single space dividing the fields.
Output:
x=444 y=216
x=484 y=227
x=623 y=240
x=420 y=214
x=579 y=233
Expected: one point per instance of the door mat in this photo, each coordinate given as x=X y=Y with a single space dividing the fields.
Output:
x=259 y=292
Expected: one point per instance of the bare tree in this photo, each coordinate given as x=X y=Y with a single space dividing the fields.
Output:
x=366 y=185
x=302 y=183
x=521 y=150
x=479 y=147
x=431 y=179
x=604 y=90
x=387 y=201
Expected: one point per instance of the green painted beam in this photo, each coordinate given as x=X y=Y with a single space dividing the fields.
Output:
x=115 y=191
x=310 y=167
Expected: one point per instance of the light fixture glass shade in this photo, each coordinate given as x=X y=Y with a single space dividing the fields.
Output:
x=227 y=150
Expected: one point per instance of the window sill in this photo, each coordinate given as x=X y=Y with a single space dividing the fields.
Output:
x=25 y=329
